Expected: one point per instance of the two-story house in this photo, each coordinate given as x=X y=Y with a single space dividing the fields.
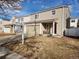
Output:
x=51 y=21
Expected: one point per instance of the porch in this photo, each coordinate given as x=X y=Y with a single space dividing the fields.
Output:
x=48 y=28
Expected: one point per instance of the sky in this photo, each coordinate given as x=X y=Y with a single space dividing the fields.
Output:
x=32 y=6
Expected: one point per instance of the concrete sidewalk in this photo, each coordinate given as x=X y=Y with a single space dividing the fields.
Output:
x=7 y=54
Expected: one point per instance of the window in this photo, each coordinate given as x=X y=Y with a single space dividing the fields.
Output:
x=53 y=12
x=36 y=16
x=72 y=20
x=21 y=19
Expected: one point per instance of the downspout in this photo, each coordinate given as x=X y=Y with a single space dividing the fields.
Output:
x=35 y=27
x=69 y=14
x=62 y=18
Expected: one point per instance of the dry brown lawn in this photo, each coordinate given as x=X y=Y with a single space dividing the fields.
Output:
x=47 y=48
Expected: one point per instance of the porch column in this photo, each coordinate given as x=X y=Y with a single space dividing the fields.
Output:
x=13 y=29
x=53 y=28
x=25 y=28
x=40 y=28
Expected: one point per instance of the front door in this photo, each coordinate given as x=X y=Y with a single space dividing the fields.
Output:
x=55 y=28
x=47 y=27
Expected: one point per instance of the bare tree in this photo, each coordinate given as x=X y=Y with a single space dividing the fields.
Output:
x=7 y=5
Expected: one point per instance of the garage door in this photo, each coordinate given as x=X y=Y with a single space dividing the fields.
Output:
x=31 y=30
x=7 y=30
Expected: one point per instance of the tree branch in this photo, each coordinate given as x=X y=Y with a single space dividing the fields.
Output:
x=7 y=5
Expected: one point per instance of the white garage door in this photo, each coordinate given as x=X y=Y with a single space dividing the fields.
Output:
x=7 y=30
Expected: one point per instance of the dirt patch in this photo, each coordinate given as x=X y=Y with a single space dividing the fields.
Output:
x=6 y=34
x=47 y=48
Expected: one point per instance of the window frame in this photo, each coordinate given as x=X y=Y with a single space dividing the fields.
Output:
x=72 y=20
x=36 y=16
x=53 y=12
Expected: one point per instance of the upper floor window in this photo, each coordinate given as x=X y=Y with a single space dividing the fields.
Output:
x=72 y=20
x=53 y=12
x=36 y=16
x=21 y=19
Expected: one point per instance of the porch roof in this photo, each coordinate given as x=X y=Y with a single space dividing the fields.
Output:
x=41 y=21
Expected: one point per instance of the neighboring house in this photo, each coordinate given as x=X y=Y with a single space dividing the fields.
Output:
x=73 y=30
x=74 y=22
x=17 y=24
x=2 y=26
x=51 y=21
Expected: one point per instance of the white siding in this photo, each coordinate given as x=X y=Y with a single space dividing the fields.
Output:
x=73 y=24
x=72 y=32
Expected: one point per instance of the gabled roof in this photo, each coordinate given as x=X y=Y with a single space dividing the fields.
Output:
x=48 y=9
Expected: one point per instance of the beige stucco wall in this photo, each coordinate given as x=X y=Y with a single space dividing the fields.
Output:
x=61 y=14
x=27 y=19
x=30 y=29
x=46 y=15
